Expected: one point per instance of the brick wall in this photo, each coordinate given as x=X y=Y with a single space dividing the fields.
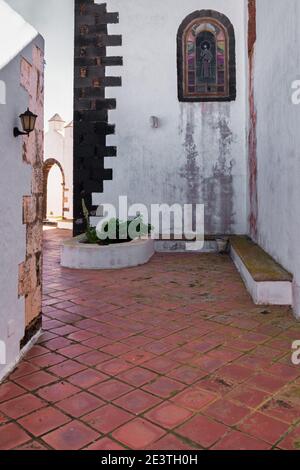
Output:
x=91 y=124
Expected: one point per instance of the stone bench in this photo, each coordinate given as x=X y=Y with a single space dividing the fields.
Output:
x=265 y=279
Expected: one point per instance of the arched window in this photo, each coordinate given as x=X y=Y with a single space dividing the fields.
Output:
x=206 y=58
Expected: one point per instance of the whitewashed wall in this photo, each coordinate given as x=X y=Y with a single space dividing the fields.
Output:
x=55 y=193
x=158 y=165
x=277 y=65
x=59 y=146
x=15 y=182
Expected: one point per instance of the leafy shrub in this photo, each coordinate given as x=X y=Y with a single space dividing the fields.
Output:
x=114 y=230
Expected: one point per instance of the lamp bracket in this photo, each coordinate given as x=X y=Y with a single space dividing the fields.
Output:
x=17 y=133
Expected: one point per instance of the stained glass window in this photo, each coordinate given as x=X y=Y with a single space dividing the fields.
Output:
x=206 y=70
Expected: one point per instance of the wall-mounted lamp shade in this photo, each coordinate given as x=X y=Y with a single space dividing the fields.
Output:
x=28 y=120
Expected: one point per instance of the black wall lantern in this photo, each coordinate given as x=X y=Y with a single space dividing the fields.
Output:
x=28 y=120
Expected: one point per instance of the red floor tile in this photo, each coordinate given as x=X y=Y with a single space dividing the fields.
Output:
x=36 y=380
x=105 y=444
x=239 y=441
x=9 y=390
x=208 y=363
x=137 y=402
x=170 y=442
x=66 y=369
x=248 y=396
x=203 y=431
x=58 y=343
x=107 y=418
x=160 y=365
x=235 y=372
x=227 y=412
x=168 y=415
x=181 y=332
x=110 y=390
x=282 y=409
x=24 y=368
x=194 y=399
x=267 y=383
x=291 y=441
x=64 y=330
x=33 y=445
x=164 y=387
x=114 y=366
x=74 y=350
x=36 y=351
x=87 y=378
x=180 y=355
x=80 y=404
x=72 y=436
x=81 y=336
x=284 y=372
x=21 y=406
x=138 y=434
x=12 y=436
x=48 y=360
x=264 y=427
x=43 y=421
x=217 y=385
x=158 y=347
x=57 y=392
x=138 y=357
x=92 y=358
x=97 y=342
x=3 y=419
x=188 y=375
x=137 y=376
x=116 y=349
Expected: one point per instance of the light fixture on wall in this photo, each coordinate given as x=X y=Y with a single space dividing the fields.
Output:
x=28 y=120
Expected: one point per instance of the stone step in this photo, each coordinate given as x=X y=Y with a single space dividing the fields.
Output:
x=266 y=280
x=66 y=224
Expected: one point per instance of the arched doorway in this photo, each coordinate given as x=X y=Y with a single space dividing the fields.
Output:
x=53 y=189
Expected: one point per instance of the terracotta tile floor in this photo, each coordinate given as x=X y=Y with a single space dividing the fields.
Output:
x=171 y=355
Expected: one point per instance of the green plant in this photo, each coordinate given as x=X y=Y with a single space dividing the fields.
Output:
x=90 y=233
x=114 y=230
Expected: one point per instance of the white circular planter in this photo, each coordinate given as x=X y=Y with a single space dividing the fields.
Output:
x=78 y=255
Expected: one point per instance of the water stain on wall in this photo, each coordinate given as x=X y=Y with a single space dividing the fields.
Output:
x=209 y=165
x=191 y=170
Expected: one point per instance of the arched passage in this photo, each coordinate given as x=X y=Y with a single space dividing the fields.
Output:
x=49 y=165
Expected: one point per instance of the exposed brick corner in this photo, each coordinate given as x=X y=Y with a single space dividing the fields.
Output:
x=30 y=270
x=91 y=124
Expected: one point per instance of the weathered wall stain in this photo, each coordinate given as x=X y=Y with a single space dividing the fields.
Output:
x=218 y=189
x=209 y=177
x=181 y=160
x=191 y=170
x=252 y=137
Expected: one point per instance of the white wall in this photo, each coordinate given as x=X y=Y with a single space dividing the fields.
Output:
x=157 y=165
x=277 y=65
x=59 y=146
x=15 y=182
x=54 y=193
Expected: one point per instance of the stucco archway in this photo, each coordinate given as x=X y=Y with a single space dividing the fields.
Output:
x=48 y=165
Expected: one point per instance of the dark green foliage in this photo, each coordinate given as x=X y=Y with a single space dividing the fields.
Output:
x=115 y=231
